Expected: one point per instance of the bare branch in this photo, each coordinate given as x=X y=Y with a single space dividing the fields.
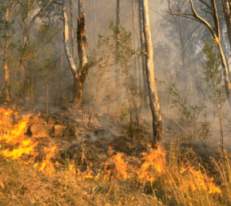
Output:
x=202 y=20
x=41 y=10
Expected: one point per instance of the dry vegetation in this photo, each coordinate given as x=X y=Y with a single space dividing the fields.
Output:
x=53 y=168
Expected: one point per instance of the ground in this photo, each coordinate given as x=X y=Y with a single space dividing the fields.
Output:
x=78 y=159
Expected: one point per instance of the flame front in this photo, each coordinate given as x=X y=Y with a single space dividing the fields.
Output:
x=153 y=165
x=15 y=144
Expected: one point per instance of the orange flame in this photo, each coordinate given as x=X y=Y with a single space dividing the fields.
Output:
x=26 y=147
x=121 y=167
x=195 y=180
x=47 y=165
x=153 y=165
x=15 y=144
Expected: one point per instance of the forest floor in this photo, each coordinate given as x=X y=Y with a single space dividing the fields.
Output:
x=79 y=159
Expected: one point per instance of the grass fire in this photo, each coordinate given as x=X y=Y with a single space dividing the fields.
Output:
x=115 y=103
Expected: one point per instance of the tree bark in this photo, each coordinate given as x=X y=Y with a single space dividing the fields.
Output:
x=6 y=69
x=82 y=44
x=143 y=58
x=117 y=29
x=151 y=78
x=80 y=71
x=227 y=13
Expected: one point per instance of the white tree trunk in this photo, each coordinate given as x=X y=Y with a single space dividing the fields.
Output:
x=67 y=37
x=80 y=71
x=151 y=78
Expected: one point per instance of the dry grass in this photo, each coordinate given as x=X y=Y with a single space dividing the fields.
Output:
x=186 y=185
x=111 y=173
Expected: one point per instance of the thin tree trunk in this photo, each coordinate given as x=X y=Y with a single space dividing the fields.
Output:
x=82 y=42
x=67 y=38
x=227 y=13
x=150 y=72
x=82 y=54
x=226 y=72
x=221 y=126
x=143 y=59
x=23 y=63
x=117 y=29
x=6 y=69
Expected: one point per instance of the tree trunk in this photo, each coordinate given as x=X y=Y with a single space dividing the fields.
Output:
x=78 y=90
x=143 y=58
x=117 y=29
x=226 y=72
x=150 y=72
x=82 y=43
x=6 y=89
x=67 y=37
x=82 y=54
x=227 y=13
x=23 y=64
x=80 y=71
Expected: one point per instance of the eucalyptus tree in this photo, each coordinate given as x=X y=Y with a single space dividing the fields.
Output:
x=199 y=13
x=79 y=71
x=154 y=101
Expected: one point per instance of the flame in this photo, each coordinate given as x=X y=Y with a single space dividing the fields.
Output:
x=121 y=167
x=26 y=147
x=153 y=165
x=15 y=144
x=47 y=165
x=116 y=166
x=12 y=133
x=195 y=180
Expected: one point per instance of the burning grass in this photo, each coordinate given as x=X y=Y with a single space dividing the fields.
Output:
x=117 y=179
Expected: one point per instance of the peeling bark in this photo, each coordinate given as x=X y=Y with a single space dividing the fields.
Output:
x=79 y=71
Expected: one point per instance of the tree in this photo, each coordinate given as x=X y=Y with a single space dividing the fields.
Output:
x=26 y=26
x=117 y=27
x=215 y=30
x=151 y=77
x=213 y=79
x=7 y=18
x=227 y=14
x=80 y=71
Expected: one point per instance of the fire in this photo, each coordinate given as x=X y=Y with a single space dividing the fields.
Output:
x=153 y=165
x=47 y=165
x=12 y=133
x=26 y=147
x=116 y=166
x=195 y=180
x=15 y=144
x=121 y=166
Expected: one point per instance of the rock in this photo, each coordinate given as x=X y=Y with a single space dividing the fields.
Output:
x=39 y=128
x=59 y=130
